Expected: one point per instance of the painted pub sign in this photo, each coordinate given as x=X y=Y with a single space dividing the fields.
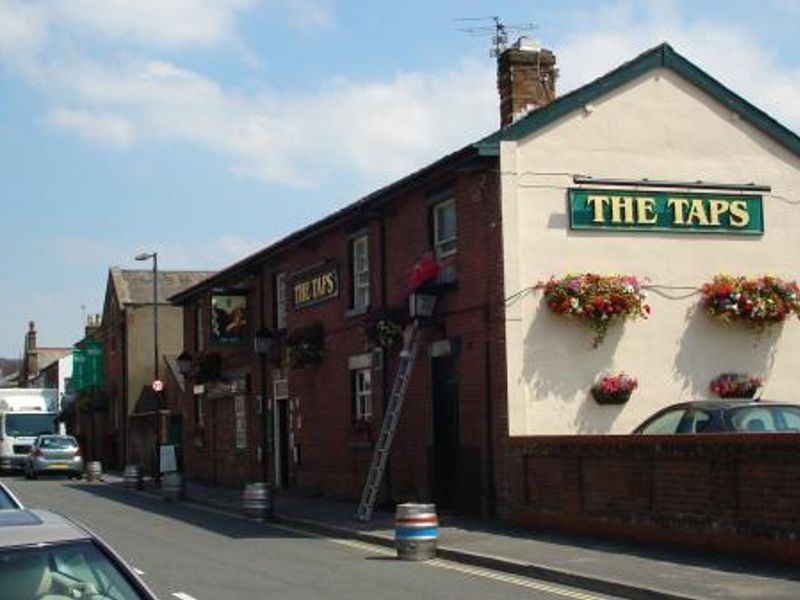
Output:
x=664 y=211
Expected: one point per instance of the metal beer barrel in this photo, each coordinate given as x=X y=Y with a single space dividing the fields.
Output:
x=172 y=486
x=257 y=501
x=416 y=530
x=132 y=477
x=94 y=470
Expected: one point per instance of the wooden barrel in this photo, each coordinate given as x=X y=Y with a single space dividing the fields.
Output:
x=173 y=488
x=416 y=530
x=132 y=477
x=94 y=470
x=257 y=501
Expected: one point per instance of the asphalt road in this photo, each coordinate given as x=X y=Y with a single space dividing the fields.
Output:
x=189 y=552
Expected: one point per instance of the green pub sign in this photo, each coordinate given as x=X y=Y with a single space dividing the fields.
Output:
x=666 y=211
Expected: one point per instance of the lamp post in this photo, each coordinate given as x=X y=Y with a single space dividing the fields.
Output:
x=157 y=394
x=262 y=343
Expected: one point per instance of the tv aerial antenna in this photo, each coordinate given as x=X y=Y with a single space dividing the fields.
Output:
x=497 y=30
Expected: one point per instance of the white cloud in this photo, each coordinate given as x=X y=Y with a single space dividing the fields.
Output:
x=105 y=129
x=23 y=31
x=727 y=53
x=162 y=22
x=309 y=14
x=295 y=139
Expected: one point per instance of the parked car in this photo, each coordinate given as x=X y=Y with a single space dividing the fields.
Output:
x=8 y=501
x=54 y=454
x=46 y=555
x=720 y=416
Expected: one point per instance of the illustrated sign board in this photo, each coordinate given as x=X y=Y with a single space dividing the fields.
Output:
x=229 y=315
x=315 y=286
x=665 y=211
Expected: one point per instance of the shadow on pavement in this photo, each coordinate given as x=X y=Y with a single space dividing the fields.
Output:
x=221 y=524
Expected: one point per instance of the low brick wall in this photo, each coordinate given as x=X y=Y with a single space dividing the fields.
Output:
x=736 y=493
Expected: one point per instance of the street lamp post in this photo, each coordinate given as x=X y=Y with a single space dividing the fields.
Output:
x=262 y=343
x=157 y=394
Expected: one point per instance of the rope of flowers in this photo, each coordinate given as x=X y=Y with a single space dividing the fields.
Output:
x=599 y=300
x=614 y=389
x=759 y=301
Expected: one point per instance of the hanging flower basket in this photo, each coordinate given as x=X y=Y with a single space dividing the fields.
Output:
x=614 y=389
x=304 y=345
x=386 y=329
x=599 y=300
x=759 y=302
x=735 y=385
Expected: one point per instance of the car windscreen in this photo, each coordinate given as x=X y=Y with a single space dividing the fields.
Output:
x=767 y=419
x=26 y=424
x=6 y=501
x=58 y=443
x=72 y=570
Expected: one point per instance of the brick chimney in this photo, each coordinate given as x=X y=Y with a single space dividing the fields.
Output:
x=526 y=79
x=31 y=360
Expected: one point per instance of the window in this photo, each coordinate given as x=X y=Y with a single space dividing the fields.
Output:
x=359 y=271
x=665 y=423
x=199 y=339
x=241 y=423
x=444 y=228
x=362 y=394
x=280 y=301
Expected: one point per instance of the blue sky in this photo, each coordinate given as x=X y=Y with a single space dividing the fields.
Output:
x=205 y=129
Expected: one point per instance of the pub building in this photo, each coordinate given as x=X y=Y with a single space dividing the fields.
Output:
x=655 y=171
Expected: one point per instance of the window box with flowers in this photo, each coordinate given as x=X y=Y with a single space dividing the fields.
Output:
x=735 y=385
x=759 y=302
x=614 y=389
x=599 y=300
x=305 y=345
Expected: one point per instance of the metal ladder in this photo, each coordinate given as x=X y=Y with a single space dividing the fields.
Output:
x=389 y=427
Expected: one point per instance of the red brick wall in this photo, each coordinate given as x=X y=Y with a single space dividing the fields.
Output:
x=736 y=493
x=470 y=313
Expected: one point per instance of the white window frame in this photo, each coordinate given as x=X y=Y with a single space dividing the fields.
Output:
x=360 y=270
x=281 y=301
x=362 y=391
x=445 y=246
x=239 y=401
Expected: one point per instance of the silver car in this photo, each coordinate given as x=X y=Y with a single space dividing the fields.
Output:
x=54 y=454
x=46 y=555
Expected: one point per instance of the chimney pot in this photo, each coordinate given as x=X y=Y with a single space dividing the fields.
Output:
x=526 y=78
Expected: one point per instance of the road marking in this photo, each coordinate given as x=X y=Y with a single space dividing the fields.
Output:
x=183 y=596
x=452 y=566
x=138 y=571
x=511 y=579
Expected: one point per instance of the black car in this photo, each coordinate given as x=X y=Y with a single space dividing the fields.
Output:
x=724 y=416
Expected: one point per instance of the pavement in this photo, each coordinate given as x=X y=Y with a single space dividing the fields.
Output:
x=619 y=569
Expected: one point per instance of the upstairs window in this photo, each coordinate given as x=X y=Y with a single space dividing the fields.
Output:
x=281 y=307
x=359 y=269
x=444 y=228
